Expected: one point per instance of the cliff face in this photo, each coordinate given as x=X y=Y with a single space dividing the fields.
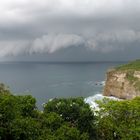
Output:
x=122 y=84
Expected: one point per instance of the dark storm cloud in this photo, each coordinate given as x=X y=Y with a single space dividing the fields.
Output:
x=47 y=26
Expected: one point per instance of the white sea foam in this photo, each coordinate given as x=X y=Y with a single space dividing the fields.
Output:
x=92 y=100
x=103 y=83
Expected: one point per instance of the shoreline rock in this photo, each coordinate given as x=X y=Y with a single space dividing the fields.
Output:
x=122 y=84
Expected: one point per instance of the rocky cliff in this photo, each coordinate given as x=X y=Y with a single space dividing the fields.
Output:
x=123 y=82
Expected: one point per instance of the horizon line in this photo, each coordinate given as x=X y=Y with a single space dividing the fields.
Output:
x=106 y=61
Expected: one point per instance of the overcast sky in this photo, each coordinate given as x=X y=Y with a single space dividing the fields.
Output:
x=69 y=30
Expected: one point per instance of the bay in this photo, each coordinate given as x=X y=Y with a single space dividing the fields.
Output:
x=47 y=80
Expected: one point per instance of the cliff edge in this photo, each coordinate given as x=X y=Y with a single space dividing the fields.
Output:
x=124 y=81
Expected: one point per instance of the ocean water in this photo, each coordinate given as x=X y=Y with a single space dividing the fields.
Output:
x=45 y=81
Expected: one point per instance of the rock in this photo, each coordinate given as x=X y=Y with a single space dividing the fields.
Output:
x=123 y=84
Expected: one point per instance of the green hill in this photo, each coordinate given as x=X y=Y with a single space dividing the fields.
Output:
x=134 y=65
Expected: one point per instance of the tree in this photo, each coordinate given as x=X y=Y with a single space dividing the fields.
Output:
x=119 y=120
x=52 y=121
x=4 y=89
x=15 y=115
x=70 y=133
x=74 y=111
x=26 y=105
x=25 y=129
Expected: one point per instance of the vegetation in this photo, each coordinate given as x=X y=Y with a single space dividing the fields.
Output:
x=62 y=119
x=133 y=80
x=135 y=65
x=67 y=119
x=4 y=89
x=130 y=69
x=119 y=120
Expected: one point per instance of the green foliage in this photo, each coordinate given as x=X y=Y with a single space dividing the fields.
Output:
x=20 y=119
x=75 y=112
x=119 y=120
x=135 y=65
x=68 y=119
x=65 y=132
x=4 y=89
x=25 y=129
x=130 y=76
x=130 y=68
x=133 y=80
x=69 y=133
x=26 y=104
x=14 y=114
x=52 y=121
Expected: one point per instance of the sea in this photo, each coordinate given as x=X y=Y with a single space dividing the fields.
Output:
x=49 y=80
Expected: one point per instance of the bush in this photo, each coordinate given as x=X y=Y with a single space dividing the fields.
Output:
x=68 y=119
x=119 y=120
x=74 y=111
x=20 y=119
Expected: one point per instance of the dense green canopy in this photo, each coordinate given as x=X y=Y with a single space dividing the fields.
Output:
x=67 y=119
x=119 y=120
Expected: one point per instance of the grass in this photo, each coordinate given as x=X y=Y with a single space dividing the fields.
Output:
x=130 y=76
x=135 y=65
x=133 y=80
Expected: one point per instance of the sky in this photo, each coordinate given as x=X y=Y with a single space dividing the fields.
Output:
x=69 y=30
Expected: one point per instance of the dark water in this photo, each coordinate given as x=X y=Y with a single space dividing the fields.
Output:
x=50 y=80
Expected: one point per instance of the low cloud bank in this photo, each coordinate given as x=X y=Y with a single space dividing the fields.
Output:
x=50 y=43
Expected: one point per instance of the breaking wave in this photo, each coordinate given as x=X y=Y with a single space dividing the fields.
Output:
x=92 y=100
